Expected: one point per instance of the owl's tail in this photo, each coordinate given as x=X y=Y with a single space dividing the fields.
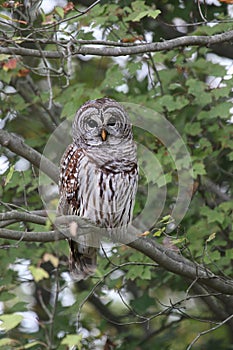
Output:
x=82 y=260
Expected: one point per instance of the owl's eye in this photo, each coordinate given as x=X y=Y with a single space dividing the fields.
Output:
x=111 y=121
x=92 y=123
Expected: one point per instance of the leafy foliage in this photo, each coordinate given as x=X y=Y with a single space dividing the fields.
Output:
x=131 y=302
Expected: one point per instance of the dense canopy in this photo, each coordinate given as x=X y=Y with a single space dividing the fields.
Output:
x=170 y=64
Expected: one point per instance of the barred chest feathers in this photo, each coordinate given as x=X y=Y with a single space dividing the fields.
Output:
x=108 y=192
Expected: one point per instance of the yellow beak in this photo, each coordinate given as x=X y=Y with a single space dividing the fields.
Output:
x=103 y=134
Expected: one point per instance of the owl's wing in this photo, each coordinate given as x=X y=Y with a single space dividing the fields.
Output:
x=82 y=256
x=69 y=180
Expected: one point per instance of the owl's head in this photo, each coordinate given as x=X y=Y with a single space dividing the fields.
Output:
x=101 y=122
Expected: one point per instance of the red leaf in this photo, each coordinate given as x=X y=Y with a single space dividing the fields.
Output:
x=10 y=64
x=23 y=72
x=132 y=39
x=11 y=4
x=68 y=7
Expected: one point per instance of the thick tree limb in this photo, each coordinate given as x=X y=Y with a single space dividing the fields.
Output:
x=212 y=187
x=168 y=259
x=18 y=146
x=177 y=264
x=105 y=50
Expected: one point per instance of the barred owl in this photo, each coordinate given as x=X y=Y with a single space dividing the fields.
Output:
x=98 y=176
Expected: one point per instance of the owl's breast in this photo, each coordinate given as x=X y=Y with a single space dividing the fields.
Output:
x=106 y=194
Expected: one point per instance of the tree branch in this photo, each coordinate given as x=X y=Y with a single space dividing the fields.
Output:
x=18 y=146
x=214 y=188
x=79 y=48
x=166 y=258
x=214 y=305
x=44 y=237
x=23 y=216
x=177 y=264
x=107 y=314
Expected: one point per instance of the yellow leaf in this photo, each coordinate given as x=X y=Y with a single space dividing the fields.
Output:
x=38 y=273
x=9 y=322
x=211 y=237
x=53 y=259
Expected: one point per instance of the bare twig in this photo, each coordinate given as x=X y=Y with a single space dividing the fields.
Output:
x=108 y=315
x=200 y=12
x=208 y=331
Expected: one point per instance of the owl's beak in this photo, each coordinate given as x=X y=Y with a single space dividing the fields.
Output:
x=104 y=134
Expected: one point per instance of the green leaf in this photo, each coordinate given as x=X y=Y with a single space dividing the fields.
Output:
x=5 y=296
x=222 y=110
x=69 y=109
x=134 y=272
x=171 y=104
x=6 y=341
x=226 y=206
x=34 y=343
x=198 y=169
x=114 y=77
x=220 y=92
x=9 y=175
x=38 y=273
x=143 y=272
x=9 y=322
x=140 y=10
x=206 y=67
x=72 y=340
x=133 y=67
x=204 y=115
x=229 y=253
x=212 y=256
x=7 y=18
x=139 y=16
x=193 y=128
x=179 y=240
x=166 y=218
x=149 y=13
x=142 y=303
x=146 y=275
x=59 y=11
x=213 y=215
x=199 y=90
x=154 y=13
x=19 y=307
x=159 y=232
x=230 y=156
